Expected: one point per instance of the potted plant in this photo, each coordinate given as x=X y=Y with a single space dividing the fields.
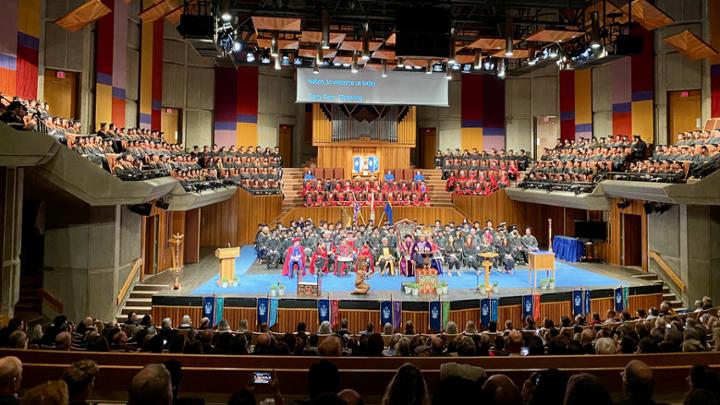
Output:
x=551 y=283
x=495 y=287
x=482 y=288
x=444 y=285
x=234 y=283
x=438 y=289
x=544 y=284
x=224 y=283
x=273 y=290
x=281 y=290
x=408 y=288
x=415 y=289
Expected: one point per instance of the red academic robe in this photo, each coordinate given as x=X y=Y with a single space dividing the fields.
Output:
x=286 y=263
x=322 y=253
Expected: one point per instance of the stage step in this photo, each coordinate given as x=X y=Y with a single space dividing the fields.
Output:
x=139 y=300
x=150 y=287
x=646 y=276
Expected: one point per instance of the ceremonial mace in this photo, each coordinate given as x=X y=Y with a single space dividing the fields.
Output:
x=550 y=235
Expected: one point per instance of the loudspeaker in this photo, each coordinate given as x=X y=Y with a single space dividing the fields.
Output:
x=196 y=26
x=649 y=208
x=629 y=45
x=141 y=209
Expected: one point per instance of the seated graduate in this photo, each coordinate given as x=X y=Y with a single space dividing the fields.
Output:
x=389 y=176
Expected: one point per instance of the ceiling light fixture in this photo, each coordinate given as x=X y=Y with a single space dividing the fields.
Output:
x=595 y=41
x=509 y=37
x=325 y=24
x=366 y=42
x=354 y=66
x=384 y=72
x=477 y=60
x=428 y=67
x=274 y=44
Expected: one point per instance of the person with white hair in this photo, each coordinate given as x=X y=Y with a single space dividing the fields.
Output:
x=325 y=328
x=605 y=345
x=186 y=323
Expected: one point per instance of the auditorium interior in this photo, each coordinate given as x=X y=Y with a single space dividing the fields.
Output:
x=389 y=202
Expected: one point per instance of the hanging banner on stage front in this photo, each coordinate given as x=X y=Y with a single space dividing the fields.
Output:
x=536 y=306
x=619 y=300
x=209 y=308
x=219 y=309
x=272 y=312
x=435 y=311
x=485 y=311
x=386 y=312
x=263 y=310
x=397 y=314
x=577 y=302
x=323 y=308
x=340 y=86
x=527 y=306
x=586 y=299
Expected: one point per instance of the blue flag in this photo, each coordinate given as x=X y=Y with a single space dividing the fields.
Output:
x=485 y=311
x=577 y=302
x=527 y=306
x=619 y=300
x=494 y=309
x=386 y=312
x=435 y=310
x=273 y=312
x=219 y=309
x=388 y=212
x=397 y=314
x=263 y=311
x=323 y=307
x=209 y=308
x=586 y=298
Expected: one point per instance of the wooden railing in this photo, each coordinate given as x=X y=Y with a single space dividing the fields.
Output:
x=51 y=300
x=137 y=265
x=667 y=270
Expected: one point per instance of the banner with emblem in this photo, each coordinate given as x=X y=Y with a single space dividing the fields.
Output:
x=272 y=312
x=445 y=313
x=435 y=311
x=626 y=297
x=485 y=311
x=494 y=304
x=619 y=300
x=219 y=309
x=536 y=306
x=577 y=302
x=527 y=306
x=586 y=299
x=386 y=313
x=209 y=308
x=263 y=310
x=323 y=308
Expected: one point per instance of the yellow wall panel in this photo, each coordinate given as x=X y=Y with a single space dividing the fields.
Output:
x=103 y=103
x=471 y=138
x=246 y=134
x=583 y=96
x=642 y=120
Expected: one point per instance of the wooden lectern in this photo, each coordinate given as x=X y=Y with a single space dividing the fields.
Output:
x=227 y=258
x=540 y=261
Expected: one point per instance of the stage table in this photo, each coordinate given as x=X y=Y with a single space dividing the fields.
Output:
x=567 y=248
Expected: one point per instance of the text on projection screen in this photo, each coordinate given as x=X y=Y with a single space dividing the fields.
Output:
x=368 y=87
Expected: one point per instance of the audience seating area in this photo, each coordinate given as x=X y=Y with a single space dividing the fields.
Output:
x=480 y=173
x=136 y=154
x=370 y=362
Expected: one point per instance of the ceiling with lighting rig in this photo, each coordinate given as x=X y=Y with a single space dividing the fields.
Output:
x=503 y=37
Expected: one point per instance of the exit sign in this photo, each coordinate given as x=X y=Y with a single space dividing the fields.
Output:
x=60 y=74
x=685 y=94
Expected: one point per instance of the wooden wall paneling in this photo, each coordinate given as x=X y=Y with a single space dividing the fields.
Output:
x=192 y=236
x=235 y=315
x=407 y=128
x=512 y=313
x=601 y=306
x=645 y=302
x=176 y=313
x=554 y=310
x=235 y=221
x=615 y=247
x=321 y=126
x=340 y=154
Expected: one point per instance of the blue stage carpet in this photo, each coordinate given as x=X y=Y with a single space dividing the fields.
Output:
x=258 y=284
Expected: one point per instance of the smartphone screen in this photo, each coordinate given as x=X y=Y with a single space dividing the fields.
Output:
x=524 y=351
x=262 y=377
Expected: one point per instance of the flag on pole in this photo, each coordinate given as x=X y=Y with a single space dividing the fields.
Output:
x=445 y=313
x=356 y=211
x=397 y=314
x=334 y=313
x=388 y=212
x=494 y=303
x=536 y=306
x=372 y=206
x=586 y=300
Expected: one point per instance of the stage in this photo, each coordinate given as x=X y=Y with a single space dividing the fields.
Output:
x=200 y=280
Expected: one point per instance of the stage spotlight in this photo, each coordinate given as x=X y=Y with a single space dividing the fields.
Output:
x=384 y=69
x=452 y=60
x=277 y=63
x=488 y=64
x=501 y=69
x=553 y=53
x=237 y=46
x=400 y=63
x=316 y=68
x=274 y=44
x=354 y=67
x=250 y=58
x=298 y=61
x=623 y=204
x=319 y=54
x=508 y=37
x=448 y=73
x=509 y=47
x=531 y=62
x=595 y=41
x=456 y=67
x=286 y=60
x=265 y=60
x=366 y=43
x=428 y=67
x=477 y=61
x=226 y=16
x=325 y=24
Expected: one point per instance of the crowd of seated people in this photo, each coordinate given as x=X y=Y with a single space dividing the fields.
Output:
x=698 y=150
x=658 y=330
x=479 y=173
x=255 y=169
x=345 y=192
x=579 y=165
